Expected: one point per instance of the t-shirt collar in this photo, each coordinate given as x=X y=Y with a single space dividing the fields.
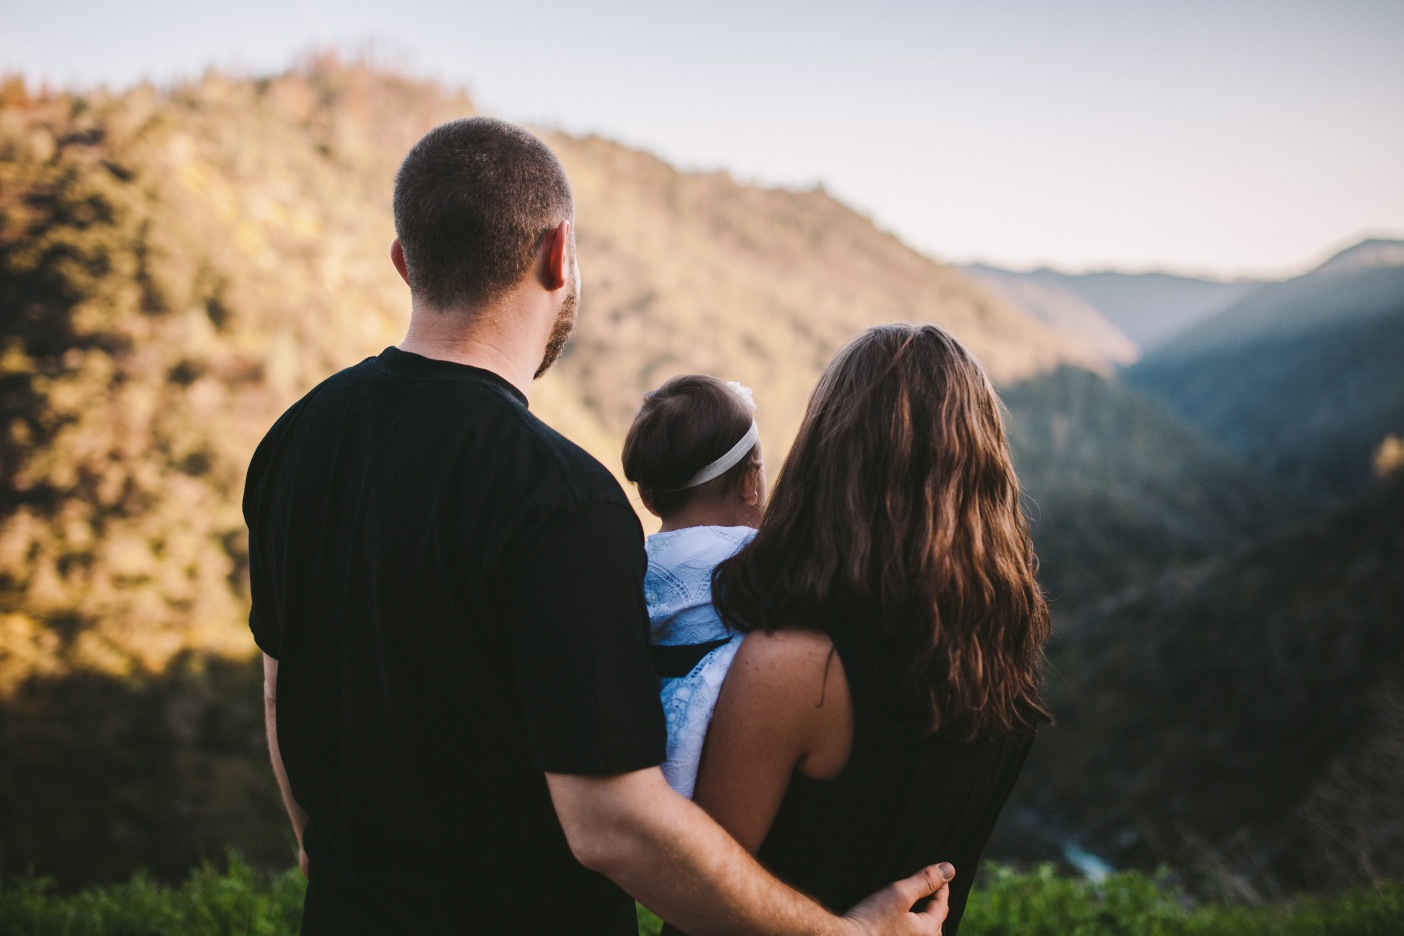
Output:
x=409 y=364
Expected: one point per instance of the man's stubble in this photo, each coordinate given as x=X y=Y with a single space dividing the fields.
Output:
x=560 y=331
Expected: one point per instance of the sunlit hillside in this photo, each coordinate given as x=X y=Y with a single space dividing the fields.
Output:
x=175 y=268
x=178 y=266
x=696 y=272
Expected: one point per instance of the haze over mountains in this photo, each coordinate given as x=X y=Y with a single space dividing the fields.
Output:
x=1301 y=378
x=1147 y=308
x=176 y=267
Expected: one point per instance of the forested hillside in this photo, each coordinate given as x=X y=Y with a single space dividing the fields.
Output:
x=174 y=268
x=1120 y=489
x=1245 y=717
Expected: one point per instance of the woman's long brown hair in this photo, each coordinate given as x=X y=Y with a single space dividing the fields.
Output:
x=898 y=509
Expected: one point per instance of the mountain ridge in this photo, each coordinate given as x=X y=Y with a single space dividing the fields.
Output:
x=1148 y=308
x=1305 y=377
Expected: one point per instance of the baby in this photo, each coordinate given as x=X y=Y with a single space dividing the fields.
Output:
x=694 y=453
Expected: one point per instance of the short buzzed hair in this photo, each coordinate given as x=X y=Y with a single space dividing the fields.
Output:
x=473 y=199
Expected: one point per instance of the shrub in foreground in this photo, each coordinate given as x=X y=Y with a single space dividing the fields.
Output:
x=239 y=901
x=1041 y=903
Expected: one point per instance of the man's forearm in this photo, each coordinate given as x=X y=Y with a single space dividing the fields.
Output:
x=296 y=815
x=689 y=871
x=673 y=858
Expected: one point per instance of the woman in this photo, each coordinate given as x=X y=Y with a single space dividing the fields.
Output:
x=881 y=707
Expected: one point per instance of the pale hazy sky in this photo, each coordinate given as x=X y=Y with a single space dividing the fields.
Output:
x=1215 y=136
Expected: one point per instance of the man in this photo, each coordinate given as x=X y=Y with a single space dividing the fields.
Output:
x=462 y=714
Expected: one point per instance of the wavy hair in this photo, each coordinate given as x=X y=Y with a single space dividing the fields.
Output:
x=898 y=509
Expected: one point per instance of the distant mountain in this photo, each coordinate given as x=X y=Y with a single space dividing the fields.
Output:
x=1063 y=310
x=1372 y=254
x=1244 y=717
x=1304 y=378
x=1148 y=308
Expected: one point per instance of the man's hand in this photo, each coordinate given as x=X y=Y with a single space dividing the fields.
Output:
x=889 y=910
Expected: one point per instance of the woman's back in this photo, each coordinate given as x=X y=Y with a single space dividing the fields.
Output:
x=900 y=802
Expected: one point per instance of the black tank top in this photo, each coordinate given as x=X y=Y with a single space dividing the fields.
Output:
x=902 y=800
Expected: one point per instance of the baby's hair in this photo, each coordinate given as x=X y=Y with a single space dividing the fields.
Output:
x=682 y=427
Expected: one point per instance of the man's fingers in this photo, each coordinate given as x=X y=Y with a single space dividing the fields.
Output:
x=925 y=882
x=888 y=911
x=939 y=904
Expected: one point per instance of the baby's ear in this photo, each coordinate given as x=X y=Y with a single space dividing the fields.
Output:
x=648 y=503
x=750 y=484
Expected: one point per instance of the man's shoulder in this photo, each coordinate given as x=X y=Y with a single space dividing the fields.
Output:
x=330 y=387
x=578 y=476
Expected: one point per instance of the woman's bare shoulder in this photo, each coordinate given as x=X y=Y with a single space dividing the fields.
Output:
x=785 y=660
x=788 y=646
x=796 y=677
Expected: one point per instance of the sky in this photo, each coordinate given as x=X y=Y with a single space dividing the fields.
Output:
x=1213 y=137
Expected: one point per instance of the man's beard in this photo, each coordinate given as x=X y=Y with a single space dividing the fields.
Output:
x=560 y=332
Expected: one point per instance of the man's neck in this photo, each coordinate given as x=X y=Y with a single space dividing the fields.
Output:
x=488 y=341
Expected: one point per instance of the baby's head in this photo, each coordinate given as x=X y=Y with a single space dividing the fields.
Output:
x=694 y=453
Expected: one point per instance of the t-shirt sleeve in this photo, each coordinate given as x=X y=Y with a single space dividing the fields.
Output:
x=580 y=642
x=263 y=618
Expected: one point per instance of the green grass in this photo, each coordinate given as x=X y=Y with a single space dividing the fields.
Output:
x=1132 y=904
x=239 y=901
x=236 y=901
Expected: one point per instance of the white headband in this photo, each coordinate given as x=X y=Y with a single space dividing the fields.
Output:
x=720 y=467
x=748 y=441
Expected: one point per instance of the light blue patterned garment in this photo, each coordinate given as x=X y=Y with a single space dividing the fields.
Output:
x=678 y=589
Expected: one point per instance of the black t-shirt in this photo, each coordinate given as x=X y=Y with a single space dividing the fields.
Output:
x=453 y=592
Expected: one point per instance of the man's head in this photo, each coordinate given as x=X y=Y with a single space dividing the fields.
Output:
x=473 y=201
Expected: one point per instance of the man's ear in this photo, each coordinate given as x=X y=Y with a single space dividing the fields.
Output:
x=397 y=257
x=555 y=271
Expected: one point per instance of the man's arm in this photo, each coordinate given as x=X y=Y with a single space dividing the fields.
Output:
x=674 y=859
x=296 y=815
